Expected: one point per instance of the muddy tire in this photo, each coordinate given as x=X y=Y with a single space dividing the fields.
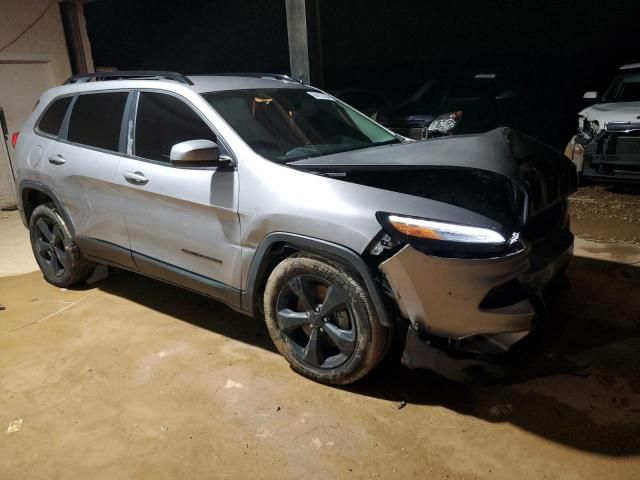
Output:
x=57 y=255
x=322 y=320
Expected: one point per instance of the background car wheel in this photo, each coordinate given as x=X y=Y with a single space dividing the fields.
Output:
x=321 y=319
x=58 y=257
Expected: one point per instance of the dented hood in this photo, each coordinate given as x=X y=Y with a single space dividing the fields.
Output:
x=502 y=151
x=612 y=112
x=545 y=174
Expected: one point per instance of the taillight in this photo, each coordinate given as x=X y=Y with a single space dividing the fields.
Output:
x=14 y=139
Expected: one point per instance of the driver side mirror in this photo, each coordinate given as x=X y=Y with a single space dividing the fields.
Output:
x=590 y=95
x=198 y=153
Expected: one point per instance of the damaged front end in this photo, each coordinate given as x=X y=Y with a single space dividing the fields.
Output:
x=611 y=154
x=467 y=295
x=465 y=315
x=469 y=306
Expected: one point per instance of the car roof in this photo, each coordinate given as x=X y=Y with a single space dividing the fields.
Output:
x=196 y=83
x=215 y=83
x=630 y=66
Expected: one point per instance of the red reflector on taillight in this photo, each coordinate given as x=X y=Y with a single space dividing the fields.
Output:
x=14 y=139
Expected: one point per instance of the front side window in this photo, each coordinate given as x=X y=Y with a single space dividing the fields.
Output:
x=52 y=119
x=286 y=124
x=96 y=119
x=164 y=120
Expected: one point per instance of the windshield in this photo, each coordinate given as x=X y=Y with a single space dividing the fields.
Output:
x=462 y=88
x=625 y=88
x=286 y=124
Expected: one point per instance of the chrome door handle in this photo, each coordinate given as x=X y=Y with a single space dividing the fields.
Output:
x=137 y=178
x=57 y=159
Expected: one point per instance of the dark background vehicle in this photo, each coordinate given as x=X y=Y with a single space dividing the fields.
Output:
x=368 y=101
x=477 y=101
x=608 y=130
x=564 y=48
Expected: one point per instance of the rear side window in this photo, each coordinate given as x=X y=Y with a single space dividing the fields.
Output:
x=96 y=119
x=164 y=120
x=52 y=119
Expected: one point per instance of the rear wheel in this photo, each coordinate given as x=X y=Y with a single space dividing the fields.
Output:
x=57 y=255
x=321 y=320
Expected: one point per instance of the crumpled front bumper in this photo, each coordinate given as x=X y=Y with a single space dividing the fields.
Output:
x=474 y=306
x=613 y=155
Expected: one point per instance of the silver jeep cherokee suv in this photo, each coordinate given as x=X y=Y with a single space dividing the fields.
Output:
x=282 y=201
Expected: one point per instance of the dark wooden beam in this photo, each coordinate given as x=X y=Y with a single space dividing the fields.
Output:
x=305 y=52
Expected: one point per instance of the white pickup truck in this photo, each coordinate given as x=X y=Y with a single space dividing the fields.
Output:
x=607 y=145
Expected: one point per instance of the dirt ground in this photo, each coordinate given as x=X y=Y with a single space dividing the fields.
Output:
x=132 y=378
x=608 y=214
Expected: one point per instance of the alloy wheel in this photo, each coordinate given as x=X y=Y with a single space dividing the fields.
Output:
x=315 y=317
x=49 y=245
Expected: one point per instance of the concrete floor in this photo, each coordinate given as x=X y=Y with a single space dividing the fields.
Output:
x=15 y=250
x=131 y=378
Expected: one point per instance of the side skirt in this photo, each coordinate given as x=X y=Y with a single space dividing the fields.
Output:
x=105 y=252
x=119 y=257
x=186 y=279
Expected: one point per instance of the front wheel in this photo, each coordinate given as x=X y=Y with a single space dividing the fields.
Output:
x=321 y=319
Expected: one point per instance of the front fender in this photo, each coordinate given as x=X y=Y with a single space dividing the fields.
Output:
x=260 y=263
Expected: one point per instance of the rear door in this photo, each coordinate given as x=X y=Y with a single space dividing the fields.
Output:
x=183 y=222
x=83 y=164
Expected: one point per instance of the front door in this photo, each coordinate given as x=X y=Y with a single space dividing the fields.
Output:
x=183 y=223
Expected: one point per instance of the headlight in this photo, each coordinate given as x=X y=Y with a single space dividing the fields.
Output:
x=447 y=239
x=450 y=232
x=445 y=123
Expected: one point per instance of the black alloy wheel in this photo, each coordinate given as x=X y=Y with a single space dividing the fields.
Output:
x=321 y=319
x=315 y=316
x=49 y=245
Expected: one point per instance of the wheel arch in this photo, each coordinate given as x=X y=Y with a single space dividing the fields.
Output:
x=277 y=246
x=33 y=194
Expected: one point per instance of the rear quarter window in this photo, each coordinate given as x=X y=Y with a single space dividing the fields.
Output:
x=96 y=119
x=52 y=119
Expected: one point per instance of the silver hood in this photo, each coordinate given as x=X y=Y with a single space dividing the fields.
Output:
x=544 y=174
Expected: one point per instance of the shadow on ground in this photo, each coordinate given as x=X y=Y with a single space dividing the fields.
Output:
x=626 y=188
x=188 y=307
x=582 y=389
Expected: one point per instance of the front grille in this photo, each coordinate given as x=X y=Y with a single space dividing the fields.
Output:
x=545 y=222
x=614 y=142
x=547 y=175
x=628 y=145
x=623 y=127
x=615 y=154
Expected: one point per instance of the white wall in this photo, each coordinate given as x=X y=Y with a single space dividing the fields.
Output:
x=37 y=60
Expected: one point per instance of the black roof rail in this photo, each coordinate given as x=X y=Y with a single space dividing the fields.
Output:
x=277 y=76
x=132 y=74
